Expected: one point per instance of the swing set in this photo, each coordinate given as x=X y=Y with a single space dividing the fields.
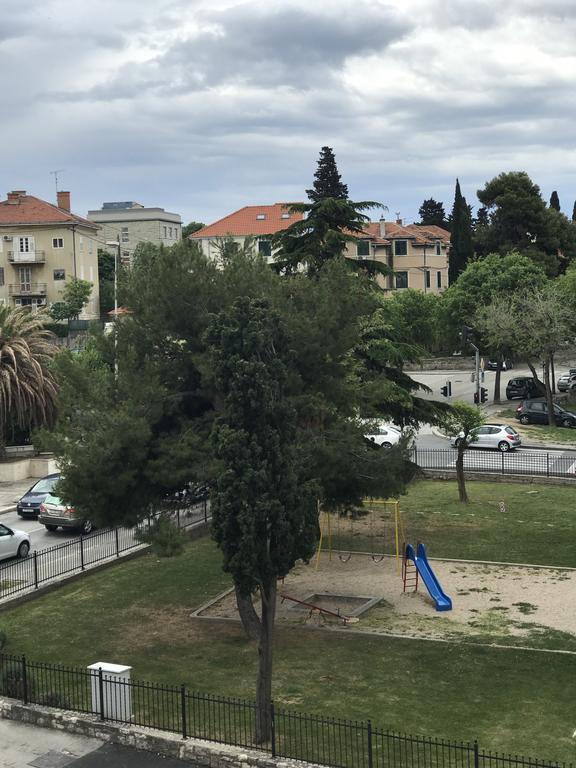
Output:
x=325 y=540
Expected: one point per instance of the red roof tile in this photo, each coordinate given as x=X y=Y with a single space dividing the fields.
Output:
x=251 y=220
x=32 y=210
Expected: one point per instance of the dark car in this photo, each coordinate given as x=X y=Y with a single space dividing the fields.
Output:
x=29 y=504
x=536 y=412
x=522 y=387
x=492 y=365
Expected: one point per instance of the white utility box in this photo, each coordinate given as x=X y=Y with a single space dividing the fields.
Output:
x=116 y=691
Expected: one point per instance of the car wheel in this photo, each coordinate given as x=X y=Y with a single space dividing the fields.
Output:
x=386 y=445
x=23 y=549
x=503 y=446
x=457 y=442
x=51 y=528
x=86 y=527
x=524 y=419
x=567 y=422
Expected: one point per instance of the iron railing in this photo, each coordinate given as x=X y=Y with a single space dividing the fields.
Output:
x=549 y=464
x=77 y=554
x=294 y=735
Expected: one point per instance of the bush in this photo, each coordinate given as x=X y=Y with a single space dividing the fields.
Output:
x=54 y=699
x=3 y=639
x=12 y=682
x=163 y=536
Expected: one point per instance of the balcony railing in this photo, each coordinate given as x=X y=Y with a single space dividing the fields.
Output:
x=33 y=257
x=27 y=289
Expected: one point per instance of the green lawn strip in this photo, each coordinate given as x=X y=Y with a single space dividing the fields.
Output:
x=538 y=526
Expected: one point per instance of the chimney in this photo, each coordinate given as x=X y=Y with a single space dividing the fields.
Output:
x=14 y=197
x=399 y=222
x=64 y=201
x=382 y=227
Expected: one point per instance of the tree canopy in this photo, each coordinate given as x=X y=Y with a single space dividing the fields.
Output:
x=327 y=180
x=461 y=249
x=75 y=296
x=432 y=212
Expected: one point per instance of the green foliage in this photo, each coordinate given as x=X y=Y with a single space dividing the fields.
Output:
x=555 y=201
x=163 y=536
x=12 y=682
x=461 y=248
x=413 y=318
x=3 y=639
x=190 y=228
x=463 y=417
x=75 y=296
x=327 y=180
x=432 y=212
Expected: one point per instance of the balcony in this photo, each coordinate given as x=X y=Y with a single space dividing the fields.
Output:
x=27 y=289
x=33 y=257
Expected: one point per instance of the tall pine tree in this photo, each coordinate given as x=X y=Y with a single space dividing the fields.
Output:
x=555 y=201
x=432 y=212
x=461 y=249
x=327 y=182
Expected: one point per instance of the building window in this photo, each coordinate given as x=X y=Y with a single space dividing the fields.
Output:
x=401 y=279
x=265 y=248
x=59 y=274
x=165 y=233
x=400 y=247
x=363 y=248
x=1 y=275
x=57 y=242
x=285 y=215
x=261 y=216
x=25 y=244
x=438 y=248
x=427 y=277
x=125 y=236
x=170 y=231
x=439 y=279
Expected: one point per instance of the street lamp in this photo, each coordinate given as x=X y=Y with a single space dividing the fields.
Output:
x=116 y=245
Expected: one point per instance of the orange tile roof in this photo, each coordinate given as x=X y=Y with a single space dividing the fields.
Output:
x=32 y=210
x=246 y=222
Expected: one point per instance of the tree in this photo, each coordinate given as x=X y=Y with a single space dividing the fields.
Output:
x=555 y=201
x=75 y=296
x=190 y=228
x=461 y=249
x=264 y=517
x=327 y=181
x=106 y=266
x=432 y=212
x=28 y=391
x=461 y=421
x=574 y=212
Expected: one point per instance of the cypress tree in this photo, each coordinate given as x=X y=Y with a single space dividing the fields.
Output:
x=461 y=249
x=327 y=182
x=574 y=212
x=555 y=201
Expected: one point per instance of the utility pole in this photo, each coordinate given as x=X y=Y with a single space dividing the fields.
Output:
x=55 y=174
x=116 y=245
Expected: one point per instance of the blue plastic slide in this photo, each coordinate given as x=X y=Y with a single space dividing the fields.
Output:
x=441 y=600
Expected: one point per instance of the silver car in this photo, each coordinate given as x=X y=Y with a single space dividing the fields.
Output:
x=500 y=437
x=566 y=381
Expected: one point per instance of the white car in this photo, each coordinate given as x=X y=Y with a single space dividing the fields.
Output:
x=501 y=437
x=13 y=543
x=385 y=436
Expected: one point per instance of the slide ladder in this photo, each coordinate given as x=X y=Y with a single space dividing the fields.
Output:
x=409 y=574
x=420 y=560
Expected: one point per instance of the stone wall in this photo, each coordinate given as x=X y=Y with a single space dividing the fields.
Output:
x=203 y=754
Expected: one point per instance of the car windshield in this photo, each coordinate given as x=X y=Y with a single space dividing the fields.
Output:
x=45 y=485
x=511 y=431
x=50 y=499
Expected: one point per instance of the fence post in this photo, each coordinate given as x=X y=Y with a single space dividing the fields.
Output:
x=24 y=680
x=502 y=455
x=35 y=561
x=178 y=517
x=205 y=506
x=81 y=553
x=272 y=730
x=101 y=692
x=183 y=710
x=369 y=733
x=476 y=755
x=547 y=465
x=116 y=540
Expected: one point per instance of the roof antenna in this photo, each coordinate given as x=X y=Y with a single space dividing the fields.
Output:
x=55 y=174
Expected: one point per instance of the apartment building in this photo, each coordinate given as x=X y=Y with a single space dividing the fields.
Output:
x=132 y=223
x=41 y=247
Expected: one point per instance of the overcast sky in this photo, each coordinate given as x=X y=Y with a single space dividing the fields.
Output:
x=203 y=106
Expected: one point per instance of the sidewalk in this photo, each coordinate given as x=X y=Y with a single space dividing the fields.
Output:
x=11 y=492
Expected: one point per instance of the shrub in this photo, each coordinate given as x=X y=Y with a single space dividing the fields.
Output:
x=163 y=536
x=3 y=639
x=12 y=682
x=54 y=699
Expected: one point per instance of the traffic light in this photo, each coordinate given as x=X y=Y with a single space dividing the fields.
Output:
x=466 y=335
x=476 y=398
x=483 y=394
x=447 y=389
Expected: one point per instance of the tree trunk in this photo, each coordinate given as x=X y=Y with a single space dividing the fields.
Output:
x=537 y=381
x=553 y=374
x=462 y=495
x=549 y=400
x=248 y=616
x=265 y=647
x=497 y=382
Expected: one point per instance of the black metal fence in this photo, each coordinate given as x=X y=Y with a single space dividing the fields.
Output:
x=312 y=738
x=78 y=554
x=549 y=464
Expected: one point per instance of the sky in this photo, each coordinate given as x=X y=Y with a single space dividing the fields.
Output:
x=204 y=106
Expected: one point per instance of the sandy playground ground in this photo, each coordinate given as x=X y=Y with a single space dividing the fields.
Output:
x=489 y=601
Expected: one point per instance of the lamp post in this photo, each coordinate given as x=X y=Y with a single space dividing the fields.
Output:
x=116 y=245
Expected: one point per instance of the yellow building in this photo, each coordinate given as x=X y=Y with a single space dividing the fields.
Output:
x=41 y=247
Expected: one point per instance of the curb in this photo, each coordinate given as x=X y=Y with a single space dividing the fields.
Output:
x=8 y=508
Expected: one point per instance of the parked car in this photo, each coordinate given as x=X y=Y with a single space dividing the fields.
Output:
x=385 y=436
x=492 y=365
x=29 y=504
x=522 y=387
x=54 y=513
x=536 y=412
x=567 y=381
x=13 y=543
x=500 y=437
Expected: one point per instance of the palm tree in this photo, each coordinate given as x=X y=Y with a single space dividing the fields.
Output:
x=28 y=390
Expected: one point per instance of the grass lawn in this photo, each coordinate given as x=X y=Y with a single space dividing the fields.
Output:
x=138 y=612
